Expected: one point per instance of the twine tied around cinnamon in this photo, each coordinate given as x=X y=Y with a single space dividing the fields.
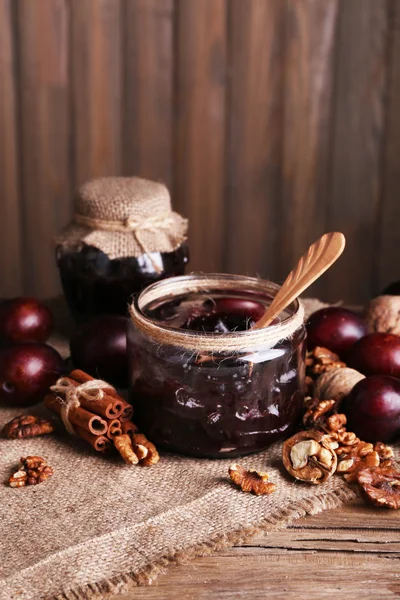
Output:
x=133 y=225
x=91 y=391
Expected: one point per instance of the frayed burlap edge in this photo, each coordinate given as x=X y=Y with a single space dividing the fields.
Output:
x=125 y=582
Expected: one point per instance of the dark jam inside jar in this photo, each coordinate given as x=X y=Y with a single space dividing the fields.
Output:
x=94 y=284
x=228 y=406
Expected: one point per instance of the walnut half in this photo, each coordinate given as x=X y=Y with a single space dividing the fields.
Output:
x=251 y=480
x=381 y=486
x=309 y=456
x=145 y=450
x=27 y=426
x=136 y=448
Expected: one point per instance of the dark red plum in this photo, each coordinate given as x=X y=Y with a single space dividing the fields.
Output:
x=241 y=307
x=335 y=328
x=24 y=320
x=376 y=354
x=99 y=348
x=27 y=371
x=226 y=315
x=373 y=409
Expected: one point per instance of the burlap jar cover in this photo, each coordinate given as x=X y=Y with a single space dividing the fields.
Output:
x=98 y=526
x=124 y=216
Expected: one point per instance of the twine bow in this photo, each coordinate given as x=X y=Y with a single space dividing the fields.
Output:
x=91 y=391
x=133 y=225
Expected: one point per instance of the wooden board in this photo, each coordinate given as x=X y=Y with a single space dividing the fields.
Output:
x=309 y=49
x=43 y=67
x=200 y=81
x=271 y=121
x=147 y=89
x=357 y=143
x=254 y=144
x=350 y=552
x=96 y=88
x=11 y=275
x=388 y=243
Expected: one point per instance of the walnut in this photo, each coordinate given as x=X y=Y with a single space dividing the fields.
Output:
x=309 y=456
x=18 y=479
x=362 y=455
x=123 y=444
x=32 y=470
x=350 y=466
x=346 y=438
x=381 y=485
x=336 y=422
x=336 y=384
x=317 y=412
x=27 y=426
x=320 y=414
x=320 y=360
x=251 y=480
x=356 y=448
x=383 y=314
x=136 y=448
x=352 y=453
x=145 y=450
x=384 y=452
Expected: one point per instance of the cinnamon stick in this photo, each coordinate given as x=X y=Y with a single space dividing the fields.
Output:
x=128 y=427
x=127 y=412
x=99 y=442
x=111 y=406
x=79 y=417
x=114 y=429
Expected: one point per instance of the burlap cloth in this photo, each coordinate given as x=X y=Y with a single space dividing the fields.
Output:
x=124 y=216
x=99 y=526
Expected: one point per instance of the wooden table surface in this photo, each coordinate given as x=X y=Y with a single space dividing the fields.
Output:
x=350 y=553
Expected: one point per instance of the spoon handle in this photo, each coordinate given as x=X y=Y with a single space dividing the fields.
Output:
x=318 y=258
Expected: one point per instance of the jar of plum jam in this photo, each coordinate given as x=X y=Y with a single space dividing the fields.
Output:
x=123 y=236
x=202 y=381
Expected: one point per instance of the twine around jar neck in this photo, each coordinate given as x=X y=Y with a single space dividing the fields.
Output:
x=224 y=343
x=130 y=225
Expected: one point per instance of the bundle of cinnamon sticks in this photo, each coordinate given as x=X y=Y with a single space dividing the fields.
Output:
x=102 y=422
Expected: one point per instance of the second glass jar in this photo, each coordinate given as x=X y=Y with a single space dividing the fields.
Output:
x=214 y=403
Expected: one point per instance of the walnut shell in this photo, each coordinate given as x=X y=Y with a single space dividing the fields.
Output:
x=383 y=315
x=336 y=384
x=309 y=456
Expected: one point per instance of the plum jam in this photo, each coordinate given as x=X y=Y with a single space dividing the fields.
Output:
x=202 y=381
x=93 y=284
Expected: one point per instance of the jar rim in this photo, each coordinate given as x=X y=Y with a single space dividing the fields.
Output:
x=212 y=341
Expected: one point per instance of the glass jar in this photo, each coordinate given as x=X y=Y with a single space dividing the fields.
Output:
x=123 y=236
x=200 y=390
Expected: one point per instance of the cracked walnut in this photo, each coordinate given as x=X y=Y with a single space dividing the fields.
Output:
x=251 y=480
x=32 y=470
x=27 y=426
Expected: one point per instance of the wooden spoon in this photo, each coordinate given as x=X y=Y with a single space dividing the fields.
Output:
x=318 y=258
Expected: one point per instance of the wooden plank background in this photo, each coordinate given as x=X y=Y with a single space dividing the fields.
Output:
x=270 y=120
